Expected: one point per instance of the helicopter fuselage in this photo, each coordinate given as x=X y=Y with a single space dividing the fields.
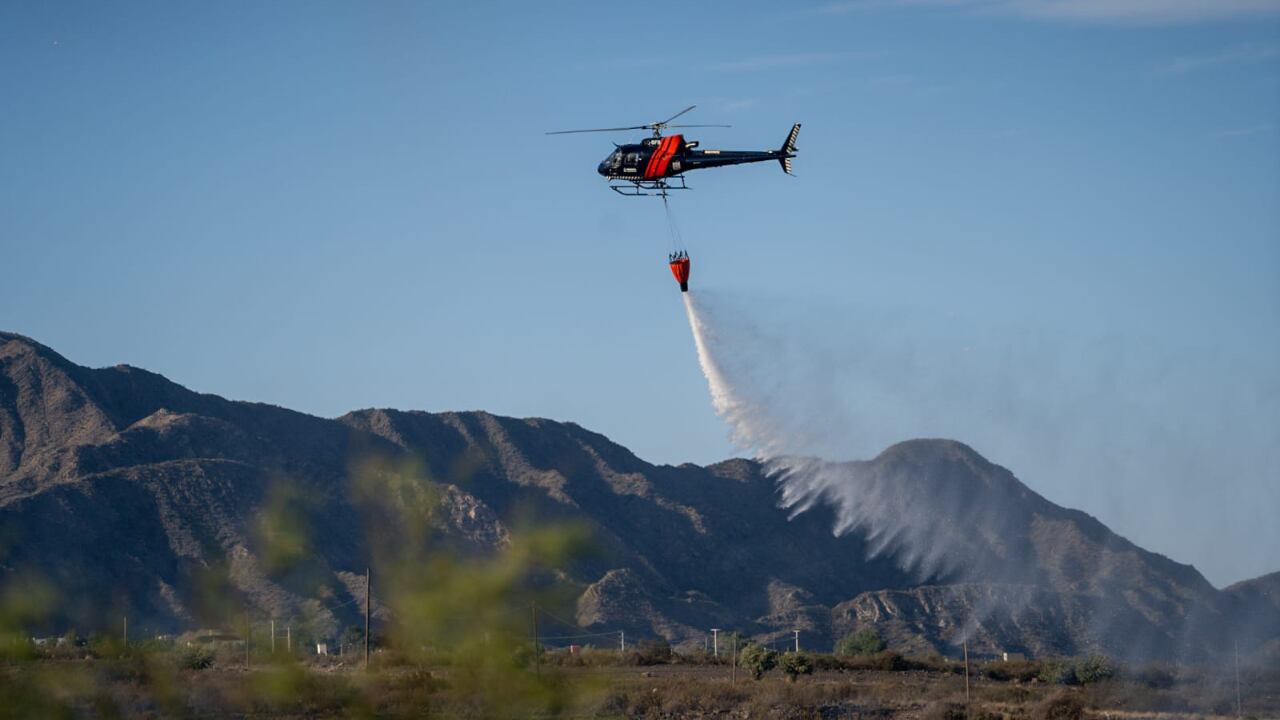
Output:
x=671 y=155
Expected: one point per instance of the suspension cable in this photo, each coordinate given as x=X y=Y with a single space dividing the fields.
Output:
x=677 y=242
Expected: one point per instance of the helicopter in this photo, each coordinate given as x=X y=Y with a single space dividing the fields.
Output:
x=657 y=164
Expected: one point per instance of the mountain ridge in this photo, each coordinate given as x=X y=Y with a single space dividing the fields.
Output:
x=173 y=480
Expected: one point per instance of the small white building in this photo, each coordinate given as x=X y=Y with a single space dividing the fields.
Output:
x=322 y=648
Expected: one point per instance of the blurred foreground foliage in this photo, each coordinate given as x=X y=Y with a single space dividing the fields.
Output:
x=452 y=637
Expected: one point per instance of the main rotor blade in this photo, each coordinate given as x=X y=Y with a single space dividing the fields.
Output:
x=619 y=129
x=699 y=126
x=673 y=117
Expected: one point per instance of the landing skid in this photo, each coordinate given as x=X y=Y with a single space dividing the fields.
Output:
x=637 y=188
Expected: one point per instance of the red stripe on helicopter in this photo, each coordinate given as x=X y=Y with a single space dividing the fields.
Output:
x=661 y=159
x=676 y=142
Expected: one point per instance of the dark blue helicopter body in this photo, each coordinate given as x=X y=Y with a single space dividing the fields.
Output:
x=658 y=164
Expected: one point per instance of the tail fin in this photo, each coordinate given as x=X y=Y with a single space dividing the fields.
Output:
x=789 y=149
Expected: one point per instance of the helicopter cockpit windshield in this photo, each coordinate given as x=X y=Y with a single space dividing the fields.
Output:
x=611 y=164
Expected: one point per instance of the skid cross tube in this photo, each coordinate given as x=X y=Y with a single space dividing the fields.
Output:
x=637 y=188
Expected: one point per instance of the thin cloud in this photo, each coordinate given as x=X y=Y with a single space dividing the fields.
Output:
x=1136 y=12
x=1152 y=12
x=778 y=62
x=1240 y=54
x=1247 y=131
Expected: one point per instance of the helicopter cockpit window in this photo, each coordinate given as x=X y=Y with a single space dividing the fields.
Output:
x=633 y=158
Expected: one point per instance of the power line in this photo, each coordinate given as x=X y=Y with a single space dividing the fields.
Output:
x=610 y=633
x=558 y=619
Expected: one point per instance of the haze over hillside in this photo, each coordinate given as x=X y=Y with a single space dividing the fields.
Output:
x=125 y=491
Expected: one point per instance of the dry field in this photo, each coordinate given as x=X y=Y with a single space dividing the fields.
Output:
x=155 y=687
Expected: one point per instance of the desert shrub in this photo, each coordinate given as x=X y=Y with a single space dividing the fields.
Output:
x=1021 y=670
x=1059 y=672
x=391 y=658
x=644 y=703
x=585 y=657
x=598 y=657
x=1156 y=676
x=758 y=659
x=1008 y=694
x=1062 y=706
x=687 y=698
x=150 y=646
x=697 y=656
x=64 y=648
x=649 y=652
x=861 y=642
x=826 y=662
x=613 y=704
x=795 y=664
x=195 y=657
x=562 y=658
x=933 y=662
x=887 y=661
x=1094 y=668
x=942 y=710
x=1078 y=671
x=945 y=711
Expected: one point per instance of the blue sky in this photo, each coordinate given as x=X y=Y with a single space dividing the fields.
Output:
x=331 y=206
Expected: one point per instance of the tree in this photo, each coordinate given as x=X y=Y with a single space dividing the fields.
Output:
x=862 y=642
x=795 y=664
x=758 y=659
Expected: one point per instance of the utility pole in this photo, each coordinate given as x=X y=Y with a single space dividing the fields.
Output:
x=715 y=641
x=366 y=617
x=966 y=671
x=797 y=632
x=537 y=661
x=1239 y=705
x=273 y=636
x=126 y=635
x=734 y=677
x=288 y=638
x=622 y=636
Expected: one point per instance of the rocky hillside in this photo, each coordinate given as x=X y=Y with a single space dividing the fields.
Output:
x=126 y=493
